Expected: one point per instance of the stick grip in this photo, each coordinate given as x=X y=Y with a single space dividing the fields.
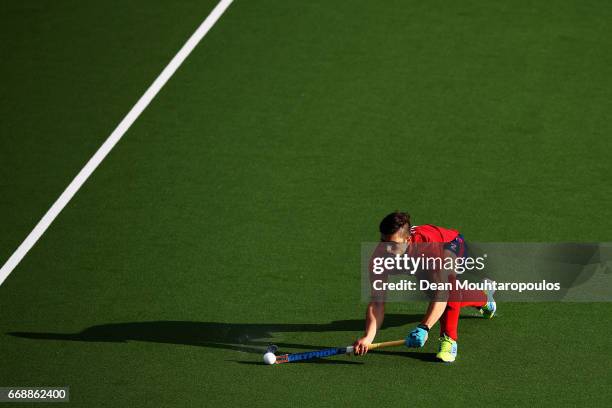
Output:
x=384 y=344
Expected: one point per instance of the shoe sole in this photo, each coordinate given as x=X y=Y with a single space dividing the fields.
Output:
x=445 y=361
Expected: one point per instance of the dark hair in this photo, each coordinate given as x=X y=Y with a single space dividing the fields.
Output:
x=394 y=222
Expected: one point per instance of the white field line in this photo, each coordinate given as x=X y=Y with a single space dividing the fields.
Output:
x=112 y=140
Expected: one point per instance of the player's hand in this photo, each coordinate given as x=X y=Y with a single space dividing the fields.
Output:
x=418 y=336
x=360 y=347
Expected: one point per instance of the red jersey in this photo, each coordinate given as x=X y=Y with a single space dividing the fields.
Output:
x=431 y=233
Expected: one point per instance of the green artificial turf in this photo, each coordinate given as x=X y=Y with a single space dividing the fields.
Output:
x=232 y=213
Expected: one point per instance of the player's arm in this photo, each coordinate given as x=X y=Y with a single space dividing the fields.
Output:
x=437 y=305
x=375 y=314
x=435 y=310
x=418 y=336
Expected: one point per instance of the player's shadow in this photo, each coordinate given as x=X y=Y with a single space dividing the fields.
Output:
x=244 y=337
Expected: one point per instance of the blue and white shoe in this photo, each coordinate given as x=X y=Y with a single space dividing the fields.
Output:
x=489 y=309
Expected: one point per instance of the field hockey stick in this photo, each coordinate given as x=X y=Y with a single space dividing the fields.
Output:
x=328 y=352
